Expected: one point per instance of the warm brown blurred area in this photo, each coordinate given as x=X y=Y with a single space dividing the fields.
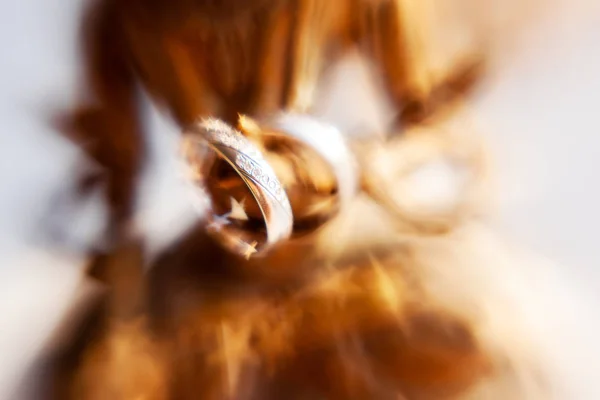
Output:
x=460 y=302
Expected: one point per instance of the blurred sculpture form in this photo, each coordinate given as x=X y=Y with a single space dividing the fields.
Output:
x=314 y=319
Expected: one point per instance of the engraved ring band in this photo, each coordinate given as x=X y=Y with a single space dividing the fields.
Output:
x=216 y=139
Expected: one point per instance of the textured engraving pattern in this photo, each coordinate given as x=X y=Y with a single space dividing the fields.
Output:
x=222 y=134
x=250 y=161
x=255 y=171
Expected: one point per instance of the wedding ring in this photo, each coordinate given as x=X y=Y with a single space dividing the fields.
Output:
x=211 y=139
x=328 y=143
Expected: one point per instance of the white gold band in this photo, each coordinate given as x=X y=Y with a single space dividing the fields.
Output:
x=230 y=145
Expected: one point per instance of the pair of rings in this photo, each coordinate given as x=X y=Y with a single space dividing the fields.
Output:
x=218 y=149
x=215 y=149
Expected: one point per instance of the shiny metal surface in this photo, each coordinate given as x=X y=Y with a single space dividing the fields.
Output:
x=329 y=143
x=248 y=162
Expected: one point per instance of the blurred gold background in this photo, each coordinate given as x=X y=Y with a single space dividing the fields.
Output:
x=537 y=109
